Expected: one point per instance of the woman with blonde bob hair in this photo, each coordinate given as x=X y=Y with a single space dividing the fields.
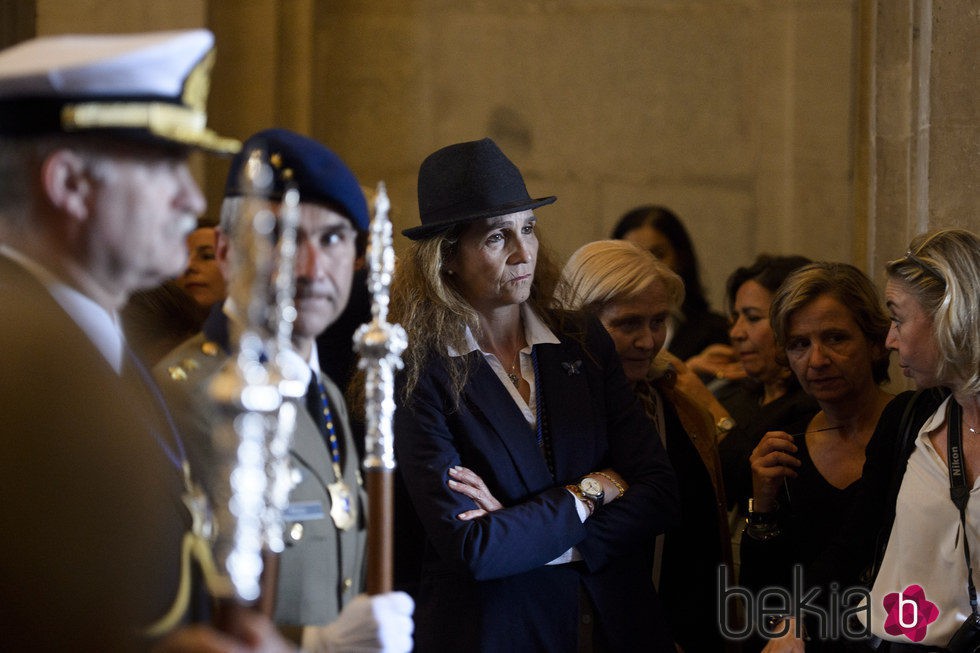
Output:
x=830 y=327
x=633 y=294
x=606 y=272
x=852 y=288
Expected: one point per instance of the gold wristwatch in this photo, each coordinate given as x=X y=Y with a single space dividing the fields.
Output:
x=592 y=490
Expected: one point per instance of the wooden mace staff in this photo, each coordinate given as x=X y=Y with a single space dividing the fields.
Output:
x=380 y=346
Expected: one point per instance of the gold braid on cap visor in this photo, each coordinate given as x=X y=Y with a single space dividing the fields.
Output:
x=183 y=123
x=169 y=121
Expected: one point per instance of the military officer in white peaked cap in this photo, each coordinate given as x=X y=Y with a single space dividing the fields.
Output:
x=96 y=199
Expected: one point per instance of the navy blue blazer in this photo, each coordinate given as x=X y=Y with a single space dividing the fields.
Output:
x=485 y=583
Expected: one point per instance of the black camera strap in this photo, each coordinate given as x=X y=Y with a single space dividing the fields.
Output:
x=959 y=490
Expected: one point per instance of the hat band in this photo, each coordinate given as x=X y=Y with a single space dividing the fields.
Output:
x=165 y=120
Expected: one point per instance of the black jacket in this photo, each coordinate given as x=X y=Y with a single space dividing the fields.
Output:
x=856 y=554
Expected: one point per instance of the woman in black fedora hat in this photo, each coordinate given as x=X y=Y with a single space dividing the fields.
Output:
x=536 y=476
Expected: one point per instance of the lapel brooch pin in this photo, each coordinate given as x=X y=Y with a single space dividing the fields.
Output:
x=573 y=367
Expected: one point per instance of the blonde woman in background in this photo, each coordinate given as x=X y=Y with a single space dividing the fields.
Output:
x=633 y=295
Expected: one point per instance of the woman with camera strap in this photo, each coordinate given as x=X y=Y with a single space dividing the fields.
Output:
x=915 y=520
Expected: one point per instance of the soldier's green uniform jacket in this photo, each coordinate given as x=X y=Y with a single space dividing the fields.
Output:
x=322 y=567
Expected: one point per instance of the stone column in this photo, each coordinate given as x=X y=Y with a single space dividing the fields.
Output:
x=919 y=128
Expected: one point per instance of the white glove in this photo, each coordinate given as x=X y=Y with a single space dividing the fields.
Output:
x=369 y=624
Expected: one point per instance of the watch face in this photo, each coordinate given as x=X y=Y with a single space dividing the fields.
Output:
x=590 y=487
x=726 y=424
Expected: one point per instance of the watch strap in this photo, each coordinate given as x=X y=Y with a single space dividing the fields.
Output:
x=577 y=491
x=619 y=486
x=756 y=516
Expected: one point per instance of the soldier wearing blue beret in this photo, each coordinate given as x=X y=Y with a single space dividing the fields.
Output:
x=321 y=571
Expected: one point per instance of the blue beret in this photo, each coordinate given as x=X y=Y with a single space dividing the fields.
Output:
x=319 y=174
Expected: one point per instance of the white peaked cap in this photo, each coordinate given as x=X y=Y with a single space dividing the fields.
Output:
x=153 y=85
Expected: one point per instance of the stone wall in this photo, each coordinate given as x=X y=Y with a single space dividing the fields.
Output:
x=832 y=128
x=738 y=115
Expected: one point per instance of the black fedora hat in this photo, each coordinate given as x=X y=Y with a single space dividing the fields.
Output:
x=465 y=182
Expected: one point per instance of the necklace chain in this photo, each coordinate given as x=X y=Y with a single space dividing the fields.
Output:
x=512 y=374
